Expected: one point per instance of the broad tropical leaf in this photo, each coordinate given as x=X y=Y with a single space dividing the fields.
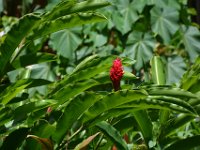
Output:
x=190 y=38
x=164 y=22
x=127 y=16
x=140 y=47
x=175 y=68
x=59 y=39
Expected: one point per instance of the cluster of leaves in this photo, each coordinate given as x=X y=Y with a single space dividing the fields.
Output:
x=55 y=91
x=137 y=30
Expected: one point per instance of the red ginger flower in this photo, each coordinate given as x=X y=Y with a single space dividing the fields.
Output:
x=116 y=73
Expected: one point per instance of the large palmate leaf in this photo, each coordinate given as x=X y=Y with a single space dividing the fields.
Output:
x=140 y=47
x=65 y=42
x=164 y=22
x=175 y=67
x=35 y=26
x=190 y=38
x=163 y=3
x=126 y=17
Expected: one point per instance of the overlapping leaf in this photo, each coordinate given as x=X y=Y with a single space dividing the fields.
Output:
x=140 y=47
x=164 y=22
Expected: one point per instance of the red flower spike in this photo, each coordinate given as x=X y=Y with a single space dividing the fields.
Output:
x=116 y=73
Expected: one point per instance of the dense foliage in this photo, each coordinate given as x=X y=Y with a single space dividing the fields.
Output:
x=55 y=89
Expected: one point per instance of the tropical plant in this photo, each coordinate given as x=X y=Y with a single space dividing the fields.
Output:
x=60 y=90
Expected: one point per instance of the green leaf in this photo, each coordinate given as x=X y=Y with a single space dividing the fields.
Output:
x=58 y=42
x=149 y=103
x=173 y=124
x=64 y=22
x=158 y=76
x=44 y=24
x=16 y=138
x=157 y=70
x=1 y=5
x=21 y=112
x=85 y=71
x=129 y=75
x=191 y=79
x=185 y=144
x=111 y=101
x=16 y=88
x=98 y=39
x=6 y=115
x=25 y=24
x=140 y=47
x=170 y=91
x=164 y=22
x=164 y=3
x=85 y=63
x=113 y=135
x=43 y=130
x=71 y=90
x=175 y=68
x=80 y=103
x=31 y=59
x=145 y=124
x=126 y=16
x=70 y=7
x=190 y=39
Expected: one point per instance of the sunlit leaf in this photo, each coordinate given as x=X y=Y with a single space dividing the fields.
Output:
x=157 y=70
